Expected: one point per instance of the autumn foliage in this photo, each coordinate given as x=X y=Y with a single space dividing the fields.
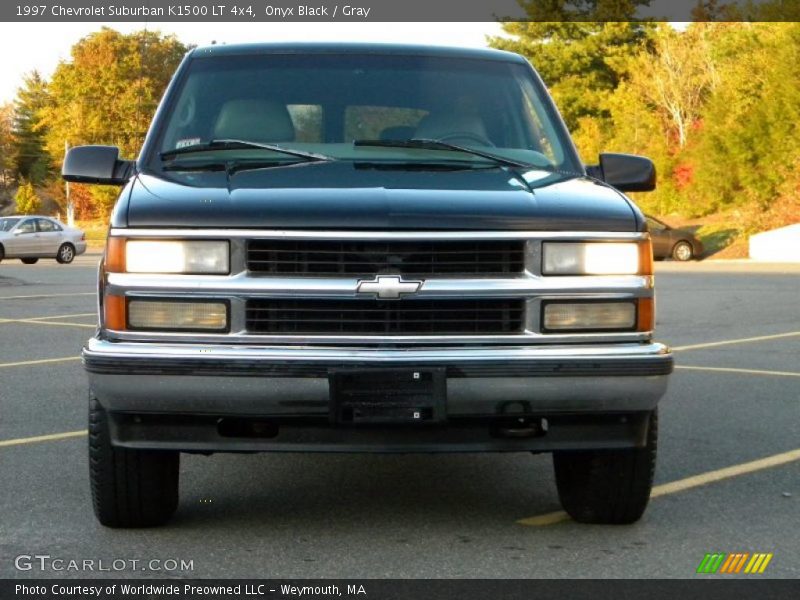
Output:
x=106 y=93
x=715 y=105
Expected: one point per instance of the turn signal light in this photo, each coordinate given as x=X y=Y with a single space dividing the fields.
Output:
x=114 y=312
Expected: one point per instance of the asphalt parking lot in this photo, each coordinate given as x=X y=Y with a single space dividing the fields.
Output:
x=728 y=478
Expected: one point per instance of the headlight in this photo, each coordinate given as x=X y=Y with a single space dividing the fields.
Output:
x=595 y=258
x=589 y=316
x=166 y=315
x=210 y=257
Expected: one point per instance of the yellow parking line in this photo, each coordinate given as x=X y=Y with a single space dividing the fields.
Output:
x=43 y=438
x=545 y=519
x=759 y=338
x=47 y=296
x=688 y=483
x=53 y=323
x=745 y=371
x=46 y=317
x=25 y=363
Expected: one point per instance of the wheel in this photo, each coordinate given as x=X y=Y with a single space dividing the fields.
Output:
x=66 y=253
x=2 y=253
x=682 y=251
x=610 y=487
x=130 y=488
x=29 y=261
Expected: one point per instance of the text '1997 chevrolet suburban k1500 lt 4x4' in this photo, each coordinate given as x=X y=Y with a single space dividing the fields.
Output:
x=370 y=248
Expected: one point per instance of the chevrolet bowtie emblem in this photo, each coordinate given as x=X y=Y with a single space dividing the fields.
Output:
x=388 y=287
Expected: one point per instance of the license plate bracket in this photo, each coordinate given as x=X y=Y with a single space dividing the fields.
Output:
x=388 y=396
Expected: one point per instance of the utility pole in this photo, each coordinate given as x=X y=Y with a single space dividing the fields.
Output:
x=70 y=208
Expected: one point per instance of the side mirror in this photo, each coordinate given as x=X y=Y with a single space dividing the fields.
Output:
x=626 y=172
x=96 y=164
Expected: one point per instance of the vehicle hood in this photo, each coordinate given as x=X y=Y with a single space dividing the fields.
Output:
x=343 y=195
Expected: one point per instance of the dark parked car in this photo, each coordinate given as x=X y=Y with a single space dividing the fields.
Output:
x=348 y=248
x=668 y=242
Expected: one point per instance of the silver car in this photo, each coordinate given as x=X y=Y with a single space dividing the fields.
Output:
x=30 y=238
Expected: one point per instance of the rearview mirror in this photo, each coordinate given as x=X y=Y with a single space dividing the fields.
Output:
x=96 y=164
x=626 y=172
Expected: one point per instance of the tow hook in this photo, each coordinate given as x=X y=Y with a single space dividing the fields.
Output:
x=520 y=427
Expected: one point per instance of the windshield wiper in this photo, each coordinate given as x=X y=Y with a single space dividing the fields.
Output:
x=241 y=145
x=429 y=144
x=231 y=167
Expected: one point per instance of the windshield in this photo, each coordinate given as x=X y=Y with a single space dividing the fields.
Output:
x=324 y=103
x=8 y=224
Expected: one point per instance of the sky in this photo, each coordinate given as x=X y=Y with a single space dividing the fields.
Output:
x=41 y=46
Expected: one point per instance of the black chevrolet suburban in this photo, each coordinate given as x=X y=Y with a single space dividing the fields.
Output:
x=370 y=248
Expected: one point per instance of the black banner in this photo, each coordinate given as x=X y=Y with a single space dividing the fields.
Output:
x=249 y=11
x=479 y=589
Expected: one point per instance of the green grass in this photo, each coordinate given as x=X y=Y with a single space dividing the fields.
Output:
x=96 y=231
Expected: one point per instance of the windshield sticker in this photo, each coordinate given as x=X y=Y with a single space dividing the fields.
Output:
x=187 y=142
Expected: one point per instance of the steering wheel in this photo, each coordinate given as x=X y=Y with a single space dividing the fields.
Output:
x=466 y=135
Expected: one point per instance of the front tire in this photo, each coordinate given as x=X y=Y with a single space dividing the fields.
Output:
x=682 y=251
x=66 y=254
x=130 y=488
x=610 y=487
x=29 y=261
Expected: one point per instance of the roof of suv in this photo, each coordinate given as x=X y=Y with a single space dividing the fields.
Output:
x=357 y=48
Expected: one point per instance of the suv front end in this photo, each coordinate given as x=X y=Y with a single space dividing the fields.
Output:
x=527 y=356
x=386 y=295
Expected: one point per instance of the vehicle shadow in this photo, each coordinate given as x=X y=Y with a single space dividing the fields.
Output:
x=715 y=241
x=363 y=491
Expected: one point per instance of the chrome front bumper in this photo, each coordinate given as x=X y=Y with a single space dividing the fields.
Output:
x=289 y=381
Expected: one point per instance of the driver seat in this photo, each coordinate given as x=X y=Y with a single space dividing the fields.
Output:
x=438 y=125
x=254 y=120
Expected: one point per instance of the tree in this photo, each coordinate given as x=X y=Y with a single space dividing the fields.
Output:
x=676 y=76
x=31 y=161
x=751 y=123
x=6 y=144
x=108 y=92
x=581 y=61
x=28 y=203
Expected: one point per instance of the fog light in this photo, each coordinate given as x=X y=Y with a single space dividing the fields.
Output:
x=167 y=315
x=589 y=316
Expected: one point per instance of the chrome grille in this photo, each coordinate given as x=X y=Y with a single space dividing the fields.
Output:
x=385 y=317
x=366 y=258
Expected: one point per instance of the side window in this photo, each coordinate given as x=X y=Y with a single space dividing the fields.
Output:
x=381 y=122
x=27 y=226
x=45 y=226
x=655 y=225
x=307 y=120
